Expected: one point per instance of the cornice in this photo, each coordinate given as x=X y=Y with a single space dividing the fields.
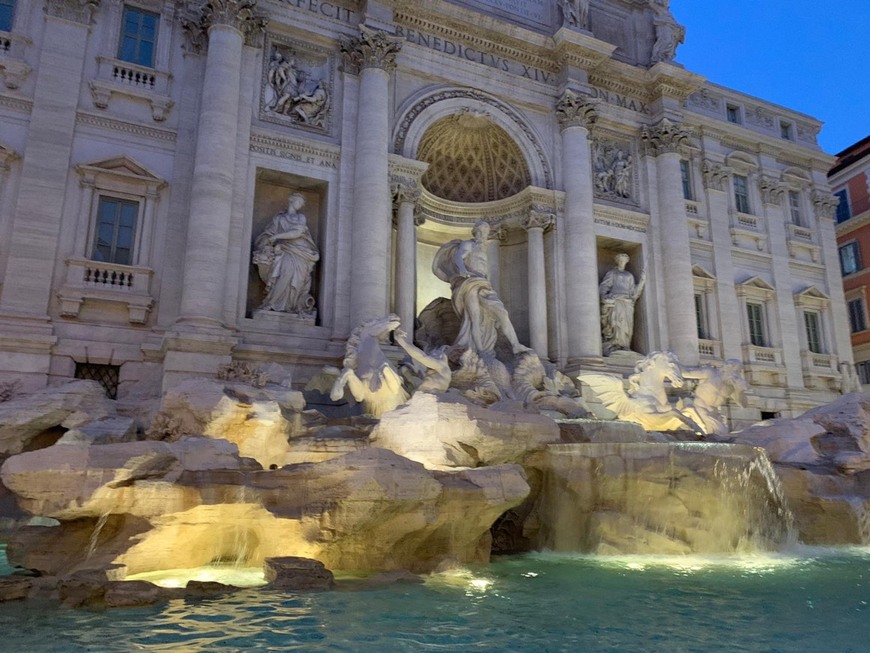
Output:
x=301 y=146
x=612 y=216
x=853 y=224
x=16 y=104
x=104 y=122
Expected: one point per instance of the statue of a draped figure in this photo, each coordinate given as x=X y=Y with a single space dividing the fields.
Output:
x=285 y=255
x=463 y=264
x=618 y=292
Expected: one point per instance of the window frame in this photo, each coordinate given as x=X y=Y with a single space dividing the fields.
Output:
x=686 y=179
x=844 y=207
x=136 y=58
x=102 y=200
x=786 y=130
x=757 y=338
x=862 y=369
x=855 y=247
x=13 y=7
x=702 y=317
x=856 y=309
x=814 y=332
x=733 y=110
x=796 y=208
x=742 y=203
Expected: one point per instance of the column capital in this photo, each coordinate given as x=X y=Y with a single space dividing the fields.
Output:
x=538 y=220
x=77 y=11
x=239 y=14
x=498 y=233
x=664 y=137
x=825 y=204
x=371 y=49
x=772 y=190
x=405 y=191
x=716 y=175
x=575 y=110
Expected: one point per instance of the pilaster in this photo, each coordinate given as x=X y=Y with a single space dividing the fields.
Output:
x=535 y=224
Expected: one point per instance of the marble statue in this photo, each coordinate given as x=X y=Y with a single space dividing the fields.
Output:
x=716 y=386
x=540 y=385
x=463 y=264
x=575 y=13
x=366 y=371
x=645 y=401
x=294 y=92
x=619 y=292
x=285 y=255
x=669 y=33
x=850 y=382
x=434 y=366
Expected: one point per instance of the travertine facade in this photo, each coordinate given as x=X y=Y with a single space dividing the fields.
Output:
x=146 y=145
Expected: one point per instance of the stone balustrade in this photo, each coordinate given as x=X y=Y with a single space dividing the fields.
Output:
x=125 y=78
x=710 y=349
x=96 y=281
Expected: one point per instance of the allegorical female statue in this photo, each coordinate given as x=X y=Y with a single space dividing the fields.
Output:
x=618 y=292
x=285 y=255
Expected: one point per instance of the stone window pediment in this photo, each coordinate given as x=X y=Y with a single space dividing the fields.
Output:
x=702 y=278
x=812 y=298
x=741 y=162
x=111 y=174
x=756 y=288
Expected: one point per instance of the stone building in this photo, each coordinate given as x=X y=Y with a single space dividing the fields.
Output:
x=148 y=149
x=850 y=180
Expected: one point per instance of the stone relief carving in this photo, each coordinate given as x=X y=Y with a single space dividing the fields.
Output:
x=612 y=166
x=297 y=88
x=645 y=401
x=78 y=11
x=463 y=264
x=669 y=33
x=285 y=255
x=619 y=291
x=704 y=99
x=760 y=117
x=716 y=387
x=575 y=13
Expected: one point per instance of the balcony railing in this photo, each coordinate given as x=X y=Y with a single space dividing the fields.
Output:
x=96 y=281
x=125 y=78
x=710 y=349
x=755 y=355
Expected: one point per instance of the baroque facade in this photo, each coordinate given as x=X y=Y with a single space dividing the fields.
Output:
x=148 y=149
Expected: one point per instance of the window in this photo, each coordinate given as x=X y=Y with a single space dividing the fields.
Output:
x=107 y=376
x=863 y=369
x=138 y=36
x=844 y=211
x=850 y=258
x=732 y=111
x=116 y=229
x=701 y=316
x=686 y=174
x=785 y=131
x=7 y=14
x=794 y=205
x=755 y=315
x=814 y=331
x=741 y=193
x=857 y=316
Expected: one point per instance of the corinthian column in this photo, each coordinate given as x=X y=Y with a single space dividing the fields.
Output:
x=227 y=23
x=373 y=53
x=576 y=115
x=535 y=224
x=406 y=198
x=663 y=142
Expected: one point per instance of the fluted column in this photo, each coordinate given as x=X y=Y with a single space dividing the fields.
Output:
x=373 y=53
x=576 y=115
x=497 y=235
x=226 y=22
x=535 y=224
x=406 y=198
x=663 y=142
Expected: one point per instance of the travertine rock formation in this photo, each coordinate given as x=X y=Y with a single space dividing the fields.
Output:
x=823 y=459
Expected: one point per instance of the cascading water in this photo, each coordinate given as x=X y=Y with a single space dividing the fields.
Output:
x=660 y=498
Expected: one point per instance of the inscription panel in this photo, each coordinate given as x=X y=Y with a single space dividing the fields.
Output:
x=535 y=13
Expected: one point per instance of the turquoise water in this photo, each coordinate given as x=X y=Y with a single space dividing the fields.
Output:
x=814 y=602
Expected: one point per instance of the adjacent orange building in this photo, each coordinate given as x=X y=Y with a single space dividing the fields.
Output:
x=850 y=181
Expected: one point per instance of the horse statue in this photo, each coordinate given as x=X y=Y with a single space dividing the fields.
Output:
x=645 y=402
x=716 y=387
x=370 y=377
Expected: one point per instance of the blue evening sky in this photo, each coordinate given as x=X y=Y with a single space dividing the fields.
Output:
x=808 y=55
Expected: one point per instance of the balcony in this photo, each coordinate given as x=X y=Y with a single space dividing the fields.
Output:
x=12 y=66
x=801 y=244
x=115 y=77
x=98 y=282
x=764 y=365
x=710 y=349
x=820 y=371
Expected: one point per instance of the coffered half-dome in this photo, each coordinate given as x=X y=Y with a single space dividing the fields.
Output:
x=471 y=159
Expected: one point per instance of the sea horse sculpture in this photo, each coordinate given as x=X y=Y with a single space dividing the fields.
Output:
x=716 y=386
x=370 y=377
x=646 y=401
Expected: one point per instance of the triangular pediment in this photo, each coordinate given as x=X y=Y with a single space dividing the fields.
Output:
x=757 y=283
x=702 y=273
x=812 y=293
x=123 y=166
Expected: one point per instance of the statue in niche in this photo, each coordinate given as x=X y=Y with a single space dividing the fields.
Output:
x=370 y=377
x=285 y=255
x=645 y=401
x=716 y=386
x=612 y=170
x=619 y=292
x=463 y=264
x=575 y=13
x=294 y=92
x=669 y=33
